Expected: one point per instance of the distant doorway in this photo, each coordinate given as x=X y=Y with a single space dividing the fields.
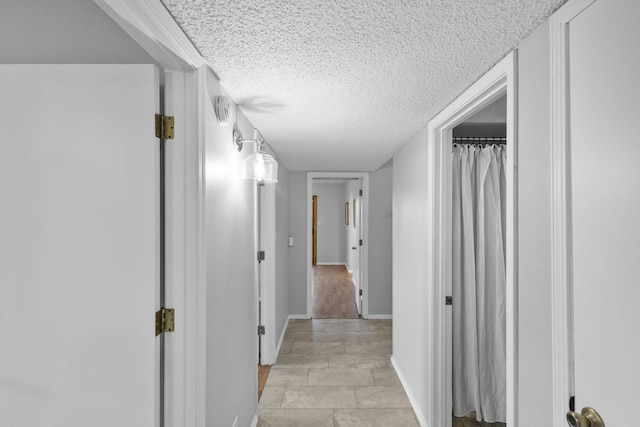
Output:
x=334 y=270
x=337 y=245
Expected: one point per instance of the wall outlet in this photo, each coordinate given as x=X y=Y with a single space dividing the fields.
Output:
x=235 y=422
x=290 y=241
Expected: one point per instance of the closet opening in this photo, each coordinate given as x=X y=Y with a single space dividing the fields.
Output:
x=478 y=285
x=472 y=158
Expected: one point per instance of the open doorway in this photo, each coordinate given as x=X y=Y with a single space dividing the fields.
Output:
x=335 y=260
x=496 y=86
x=337 y=250
x=478 y=288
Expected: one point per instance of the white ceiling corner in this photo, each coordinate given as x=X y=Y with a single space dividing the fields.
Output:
x=340 y=85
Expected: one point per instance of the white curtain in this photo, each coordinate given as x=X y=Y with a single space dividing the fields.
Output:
x=479 y=327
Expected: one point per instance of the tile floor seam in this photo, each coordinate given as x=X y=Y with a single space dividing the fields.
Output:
x=355 y=397
x=281 y=398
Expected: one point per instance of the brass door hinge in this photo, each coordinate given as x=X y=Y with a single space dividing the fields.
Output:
x=164 y=126
x=164 y=320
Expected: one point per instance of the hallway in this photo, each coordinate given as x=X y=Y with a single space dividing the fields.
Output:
x=334 y=372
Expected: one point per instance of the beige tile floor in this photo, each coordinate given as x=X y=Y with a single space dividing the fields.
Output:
x=335 y=373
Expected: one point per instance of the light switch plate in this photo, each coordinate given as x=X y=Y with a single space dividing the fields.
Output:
x=290 y=241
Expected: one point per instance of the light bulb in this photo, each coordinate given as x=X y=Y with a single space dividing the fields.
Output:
x=260 y=171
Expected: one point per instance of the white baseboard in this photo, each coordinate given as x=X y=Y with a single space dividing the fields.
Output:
x=422 y=420
x=380 y=316
x=254 y=423
x=336 y=263
x=298 y=317
x=284 y=331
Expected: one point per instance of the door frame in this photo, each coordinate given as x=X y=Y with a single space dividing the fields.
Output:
x=561 y=267
x=357 y=223
x=364 y=253
x=499 y=80
x=150 y=25
x=314 y=227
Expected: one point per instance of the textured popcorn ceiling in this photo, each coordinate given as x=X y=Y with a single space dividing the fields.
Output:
x=340 y=85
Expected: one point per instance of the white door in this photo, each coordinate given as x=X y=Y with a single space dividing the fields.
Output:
x=356 y=249
x=267 y=273
x=359 y=239
x=78 y=245
x=605 y=163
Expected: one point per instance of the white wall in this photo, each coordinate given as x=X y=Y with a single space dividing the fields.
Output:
x=331 y=230
x=298 y=253
x=411 y=355
x=496 y=112
x=534 y=230
x=380 y=242
x=231 y=317
x=63 y=32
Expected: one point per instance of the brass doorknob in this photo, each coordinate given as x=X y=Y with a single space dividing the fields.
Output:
x=577 y=420
x=588 y=417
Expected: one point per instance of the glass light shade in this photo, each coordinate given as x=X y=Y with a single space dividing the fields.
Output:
x=260 y=167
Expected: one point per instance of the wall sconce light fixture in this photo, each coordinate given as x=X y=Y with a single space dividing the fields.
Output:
x=221 y=106
x=259 y=166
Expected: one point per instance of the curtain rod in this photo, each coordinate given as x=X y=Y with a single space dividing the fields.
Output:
x=481 y=140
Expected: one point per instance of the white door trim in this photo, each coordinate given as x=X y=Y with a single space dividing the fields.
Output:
x=498 y=81
x=364 y=253
x=561 y=279
x=149 y=23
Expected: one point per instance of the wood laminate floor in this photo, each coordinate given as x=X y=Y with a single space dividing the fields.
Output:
x=333 y=293
x=263 y=375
